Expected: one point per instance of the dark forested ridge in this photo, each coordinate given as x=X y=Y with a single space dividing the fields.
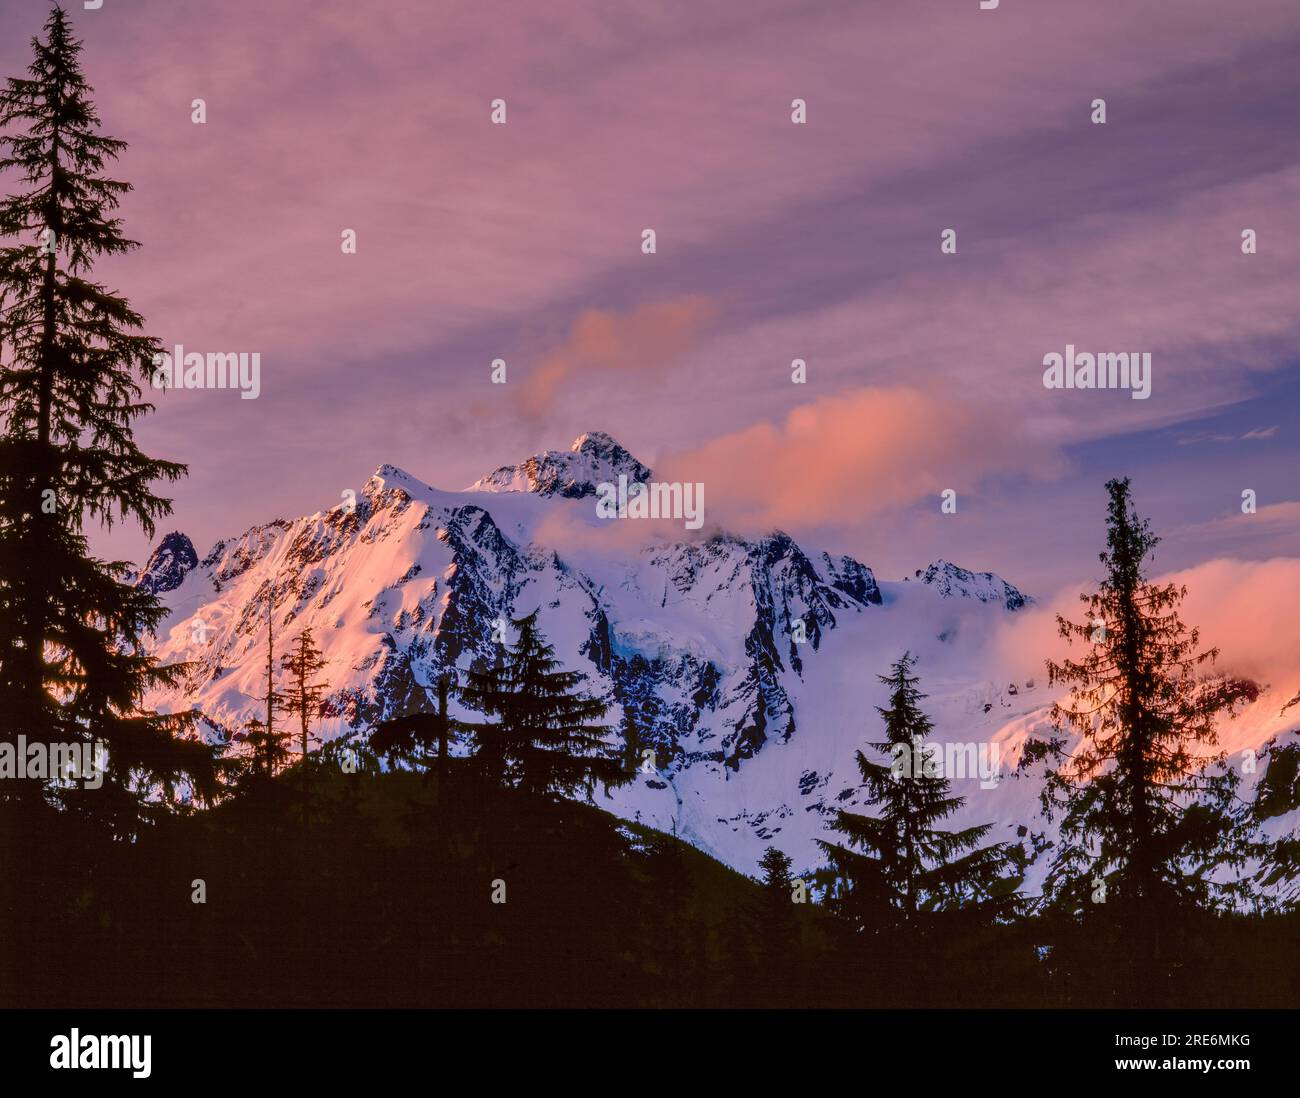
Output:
x=377 y=890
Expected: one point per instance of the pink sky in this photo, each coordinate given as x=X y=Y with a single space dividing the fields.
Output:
x=775 y=242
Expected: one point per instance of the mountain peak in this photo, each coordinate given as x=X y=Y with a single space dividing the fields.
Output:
x=593 y=458
x=168 y=564
x=951 y=580
x=392 y=474
x=598 y=443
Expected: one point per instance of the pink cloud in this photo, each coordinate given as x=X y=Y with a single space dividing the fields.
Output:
x=1247 y=609
x=852 y=455
x=651 y=336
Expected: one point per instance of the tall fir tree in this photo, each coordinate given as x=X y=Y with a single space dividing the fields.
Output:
x=1149 y=819
x=442 y=727
x=73 y=628
x=545 y=737
x=776 y=934
x=303 y=663
x=269 y=745
x=898 y=866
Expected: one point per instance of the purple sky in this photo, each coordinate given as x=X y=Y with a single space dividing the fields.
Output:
x=775 y=241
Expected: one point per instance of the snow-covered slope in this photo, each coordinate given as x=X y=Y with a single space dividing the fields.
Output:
x=755 y=661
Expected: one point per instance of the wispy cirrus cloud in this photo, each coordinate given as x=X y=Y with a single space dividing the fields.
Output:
x=1264 y=526
x=1255 y=434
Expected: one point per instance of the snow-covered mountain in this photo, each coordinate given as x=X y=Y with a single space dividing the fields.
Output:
x=754 y=661
x=950 y=580
x=594 y=458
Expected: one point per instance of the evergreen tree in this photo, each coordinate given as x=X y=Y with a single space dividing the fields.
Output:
x=763 y=946
x=776 y=927
x=423 y=730
x=270 y=745
x=442 y=730
x=898 y=865
x=73 y=665
x=1149 y=819
x=302 y=664
x=776 y=878
x=269 y=751
x=544 y=738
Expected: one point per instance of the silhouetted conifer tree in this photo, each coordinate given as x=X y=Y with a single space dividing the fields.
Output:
x=776 y=932
x=423 y=730
x=73 y=665
x=1149 y=820
x=898 y=865
x=776 y=878
x=303 y=696
x=545 y=737
x=269 y=745
x=269 y=750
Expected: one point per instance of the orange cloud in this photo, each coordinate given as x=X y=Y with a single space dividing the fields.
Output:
x=648 y=337
x=859 y=452
x=1246 y=609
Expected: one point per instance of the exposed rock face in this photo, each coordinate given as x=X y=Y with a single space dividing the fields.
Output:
x=950 y=580
x=168 y=564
